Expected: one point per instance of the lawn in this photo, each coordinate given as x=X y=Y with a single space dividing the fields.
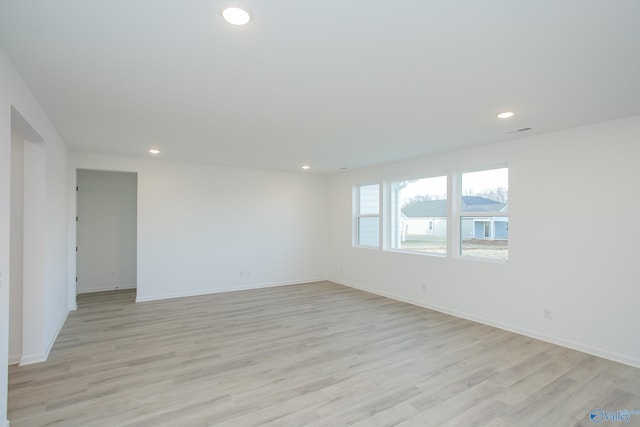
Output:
x=492 y=249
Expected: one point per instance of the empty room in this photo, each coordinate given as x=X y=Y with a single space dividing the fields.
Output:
x=279 y=213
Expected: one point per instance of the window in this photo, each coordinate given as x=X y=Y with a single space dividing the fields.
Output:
x=367 y=215
x=418 y=215
x=484 y=220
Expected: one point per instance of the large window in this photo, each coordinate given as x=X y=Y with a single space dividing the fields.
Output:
x=367 y=215
x=484 y=217
x=418 y=215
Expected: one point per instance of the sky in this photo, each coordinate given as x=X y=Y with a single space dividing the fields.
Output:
x=481 y=181
x=478 y=182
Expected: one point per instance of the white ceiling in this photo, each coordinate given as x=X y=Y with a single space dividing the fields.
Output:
x=330 y=83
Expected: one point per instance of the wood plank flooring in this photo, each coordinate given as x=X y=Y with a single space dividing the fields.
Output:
x=307 y=355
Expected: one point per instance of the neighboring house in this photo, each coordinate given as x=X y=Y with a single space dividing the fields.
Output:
x=425 y=218
x=484 y=228
x=429 y=218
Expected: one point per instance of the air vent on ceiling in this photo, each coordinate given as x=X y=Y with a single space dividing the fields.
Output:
x=519 y=130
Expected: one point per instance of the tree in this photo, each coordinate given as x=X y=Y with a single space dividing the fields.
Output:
x=419 y=198
x=499 y=194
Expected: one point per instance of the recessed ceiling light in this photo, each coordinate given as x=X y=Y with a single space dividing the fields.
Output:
x=306 y=167
x=236 y=15
x=154 y=151
x=506 y=115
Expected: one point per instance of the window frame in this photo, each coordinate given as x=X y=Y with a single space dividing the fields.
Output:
x=392 y=204
x=459 y=214
x=357 y=215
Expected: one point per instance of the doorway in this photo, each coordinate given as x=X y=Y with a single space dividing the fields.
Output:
x=17 y=248
x=106 y=226
x=26 y=239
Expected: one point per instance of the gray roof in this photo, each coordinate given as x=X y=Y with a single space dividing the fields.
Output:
x=482 y=204
x=438 y=208
x=426 y=208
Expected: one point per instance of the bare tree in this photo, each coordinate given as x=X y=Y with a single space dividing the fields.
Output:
x=499 y=194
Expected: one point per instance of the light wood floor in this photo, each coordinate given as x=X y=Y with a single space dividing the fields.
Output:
x=307 y=355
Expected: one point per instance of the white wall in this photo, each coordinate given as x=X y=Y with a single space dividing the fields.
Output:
x=573 y=244
x=51 y=295
x=205 y=229
x=106 y=230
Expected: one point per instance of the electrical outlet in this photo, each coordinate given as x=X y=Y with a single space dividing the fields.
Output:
x=547 y=313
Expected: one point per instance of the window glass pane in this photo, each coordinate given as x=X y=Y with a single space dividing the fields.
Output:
x=369 y=231
x=484 y=237
x=369 y=199
x=420 y=215
x=485 y=191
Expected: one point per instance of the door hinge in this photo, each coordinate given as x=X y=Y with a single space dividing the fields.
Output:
x=76 y=188
x=76 y=249
x=76 y=279
x=76 y=219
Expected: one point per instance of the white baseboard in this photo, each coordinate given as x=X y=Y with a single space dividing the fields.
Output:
x=223 y=290
x=107 y=288
x=55 y=336
x=532 y=334
x=33 y=358
x=37 y=358
x=14 y=360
